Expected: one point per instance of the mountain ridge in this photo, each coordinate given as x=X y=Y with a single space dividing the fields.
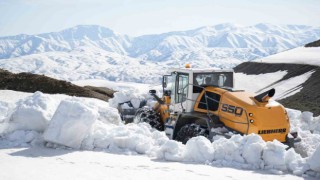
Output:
x=207 y=42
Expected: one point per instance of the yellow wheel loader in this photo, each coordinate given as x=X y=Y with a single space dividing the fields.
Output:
x=201 y=101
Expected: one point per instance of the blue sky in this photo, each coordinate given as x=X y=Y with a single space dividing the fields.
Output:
x=138 y=17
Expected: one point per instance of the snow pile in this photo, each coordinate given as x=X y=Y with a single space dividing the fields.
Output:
x=199 y=150
x=314 y=160
x=34 y=112
x=308 y=128
x=21 y=138
x=274 y=155
x=127 y=96
x=134 y=98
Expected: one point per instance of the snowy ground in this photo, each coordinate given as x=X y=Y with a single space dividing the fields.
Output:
x=105 y=147
x=52 y=164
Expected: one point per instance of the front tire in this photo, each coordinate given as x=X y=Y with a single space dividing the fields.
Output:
x=189 y=131
x=149 y=116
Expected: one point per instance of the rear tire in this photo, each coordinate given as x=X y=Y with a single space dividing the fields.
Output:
x=149 y=116
x=189 y=131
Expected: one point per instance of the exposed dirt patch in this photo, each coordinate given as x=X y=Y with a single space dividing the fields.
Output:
x=28 y=82
x=313 y=44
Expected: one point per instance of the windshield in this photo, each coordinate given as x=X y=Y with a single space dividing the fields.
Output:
x=220 y=79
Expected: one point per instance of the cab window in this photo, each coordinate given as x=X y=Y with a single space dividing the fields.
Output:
x=182 y=88
x=212 y=100
x=218 y=79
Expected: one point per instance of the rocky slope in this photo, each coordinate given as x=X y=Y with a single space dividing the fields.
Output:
x=28 y=82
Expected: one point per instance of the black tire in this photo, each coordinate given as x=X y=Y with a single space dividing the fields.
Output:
x=189 y=131
x=149 y=116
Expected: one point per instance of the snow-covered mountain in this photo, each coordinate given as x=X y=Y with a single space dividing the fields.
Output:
x=211 y=42
x=85 y=63
x=95 y=52
x=222 y=41
x=66 y=40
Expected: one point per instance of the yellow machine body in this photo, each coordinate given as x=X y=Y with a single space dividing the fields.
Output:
x=163 y=109
x=241 y=112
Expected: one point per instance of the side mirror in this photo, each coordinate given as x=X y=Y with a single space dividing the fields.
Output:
x=152 y=91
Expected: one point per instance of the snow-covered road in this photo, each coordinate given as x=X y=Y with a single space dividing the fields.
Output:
x=51 y=164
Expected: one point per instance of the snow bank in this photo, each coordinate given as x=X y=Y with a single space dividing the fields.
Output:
x=131 y=138
x=247 y=152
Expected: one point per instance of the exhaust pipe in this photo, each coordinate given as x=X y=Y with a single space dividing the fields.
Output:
x=265 y=96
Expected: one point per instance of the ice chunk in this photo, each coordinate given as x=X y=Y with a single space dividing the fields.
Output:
x=34 y=112
x=70 y=124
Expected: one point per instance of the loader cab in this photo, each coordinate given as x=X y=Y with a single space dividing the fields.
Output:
x=186 y=85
